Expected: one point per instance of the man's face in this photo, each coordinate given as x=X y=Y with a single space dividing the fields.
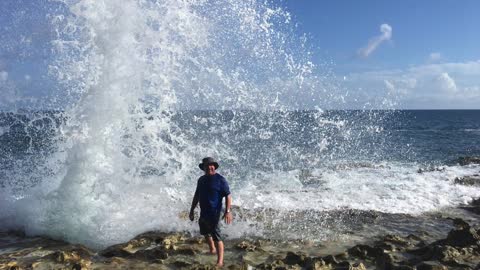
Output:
x=210 y=169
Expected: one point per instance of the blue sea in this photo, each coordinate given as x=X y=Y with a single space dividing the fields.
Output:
x=280 y=165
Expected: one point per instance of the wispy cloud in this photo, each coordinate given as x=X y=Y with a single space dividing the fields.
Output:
x=445 y=83
x=434 y=57
x=386 y=34
x=3 y=75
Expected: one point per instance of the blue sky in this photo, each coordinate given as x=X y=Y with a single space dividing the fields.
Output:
x=422 y=54
x=429 y=59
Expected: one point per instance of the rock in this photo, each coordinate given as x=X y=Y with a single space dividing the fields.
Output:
x=316 y=264
x=473 y=207
x=208 y=267
x=357 y=266
x=247 y=246
x=345 y=265
x=431 y=265
x=445 y=253
x=330 y=260
x=468 y=160
x=468 y=180
x=181 y=264
x=401 y=267
x=395 y=242
x=134 y=244
x=365 y=252
x=385 y=261
x=460 y=224
x=293 y=258
x=115 y=251
x=431 y=169
x=271 y=266
x=157 y=253
x=462 y=238
x=186 y=251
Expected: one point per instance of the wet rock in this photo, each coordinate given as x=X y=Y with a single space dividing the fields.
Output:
x=345 y=265
x=468 y=180
x=204 y=267
x=181 y=264
x=401 y=267
x=460 y=223
x=385 y=261
x=431 y=265
x=293 y=258
x=462 y=238
x=431 y=169
x=445 y=253
x=233 y=267
x=316 y=264
x=468 y=160
x=365 y=252
x=278 y=264
x=246 y=245
x=330 y=259
x=397 y=240
x=75 y=253
x=186 y=251
x=474 y=206
x=154 y=254
x=399 y=243
x=115 y=251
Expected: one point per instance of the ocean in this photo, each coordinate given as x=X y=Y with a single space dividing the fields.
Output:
x=311 y=175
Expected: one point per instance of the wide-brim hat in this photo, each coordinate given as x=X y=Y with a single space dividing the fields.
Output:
x=207 y=161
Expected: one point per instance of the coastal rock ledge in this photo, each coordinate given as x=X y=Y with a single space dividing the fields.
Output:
x=157 y=250
x=460 y=249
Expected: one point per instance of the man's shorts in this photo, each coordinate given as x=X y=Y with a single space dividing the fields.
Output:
x=210 y=228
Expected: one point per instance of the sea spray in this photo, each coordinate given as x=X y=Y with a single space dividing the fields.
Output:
x=124 y=166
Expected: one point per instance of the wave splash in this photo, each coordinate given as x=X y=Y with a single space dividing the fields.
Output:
x=121 y=165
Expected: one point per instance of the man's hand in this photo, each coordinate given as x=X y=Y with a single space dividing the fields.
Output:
x=192 y=215
x=228 y=217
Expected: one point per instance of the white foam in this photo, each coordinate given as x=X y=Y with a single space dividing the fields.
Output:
x=390 y=188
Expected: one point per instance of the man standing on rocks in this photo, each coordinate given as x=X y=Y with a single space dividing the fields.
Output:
x=211 y=189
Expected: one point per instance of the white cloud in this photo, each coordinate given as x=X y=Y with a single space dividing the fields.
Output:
x=434 y=57
x=446 y=83
x=27 y=77
x=3 y=75
x=386 y=34
x=389 y=85
x=432 y=86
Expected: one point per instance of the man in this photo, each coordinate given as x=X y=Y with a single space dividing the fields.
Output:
x=211 y=189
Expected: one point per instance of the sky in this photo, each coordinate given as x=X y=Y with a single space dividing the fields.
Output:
x=422 y=54
x=426 y=53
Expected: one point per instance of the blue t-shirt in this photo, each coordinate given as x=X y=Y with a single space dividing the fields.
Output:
x=211 y=190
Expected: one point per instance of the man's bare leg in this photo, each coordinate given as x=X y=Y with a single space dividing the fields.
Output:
x=219 y=245
x=211 y=245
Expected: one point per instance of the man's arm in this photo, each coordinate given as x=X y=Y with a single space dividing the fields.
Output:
x=228 y=212
x=194 y=205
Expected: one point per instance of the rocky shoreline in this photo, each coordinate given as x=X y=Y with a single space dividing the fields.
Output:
x=460 y=249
